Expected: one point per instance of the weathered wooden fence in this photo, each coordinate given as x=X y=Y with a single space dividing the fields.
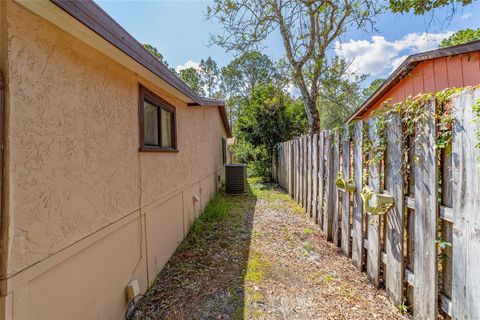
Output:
x=425 y=250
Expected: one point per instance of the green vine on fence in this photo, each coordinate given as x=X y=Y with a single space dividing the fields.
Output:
x=411 y=112
x=442 y=245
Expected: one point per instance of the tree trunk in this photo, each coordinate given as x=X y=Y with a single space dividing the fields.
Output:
x=313 y=116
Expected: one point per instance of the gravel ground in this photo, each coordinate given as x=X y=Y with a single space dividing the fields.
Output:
x=260 y=257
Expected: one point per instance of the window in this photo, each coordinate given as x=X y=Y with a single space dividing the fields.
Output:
x=157 y=123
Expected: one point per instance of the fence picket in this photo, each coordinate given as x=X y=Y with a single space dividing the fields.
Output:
x=304 y=182
x=394 y=218
x=302 y=173
x=357 y=232
x=307 y=168
x=282 y=165
x=314 y=176
x=309 y=175
x=373 y=221
x=302 y=158
x=329 y=180
x=466 y=208
x=321 y=176
x=290 y=167
x=336 y=204
x=346 y=195
x=297 y=164
x=425 y=292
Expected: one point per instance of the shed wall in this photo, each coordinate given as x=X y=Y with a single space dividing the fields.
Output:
x=435 y=75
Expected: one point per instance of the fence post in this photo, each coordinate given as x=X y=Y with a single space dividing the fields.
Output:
x=357 y=241
x=394 y=218
x=373 y=221
x=336 y=204
x=346 y=195
x=466 y=208
x=328 y=216
x=425 y=291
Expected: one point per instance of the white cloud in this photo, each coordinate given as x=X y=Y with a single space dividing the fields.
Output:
x=398 y=61
x=188 y=64
x=466 y=16
x=380 y=56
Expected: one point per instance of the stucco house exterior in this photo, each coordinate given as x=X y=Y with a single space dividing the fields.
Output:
x=107 y=159
x=427 y=72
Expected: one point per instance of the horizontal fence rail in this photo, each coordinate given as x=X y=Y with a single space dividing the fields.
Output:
x=417 y=233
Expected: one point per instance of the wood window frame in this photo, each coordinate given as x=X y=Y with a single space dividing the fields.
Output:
x=147 y=95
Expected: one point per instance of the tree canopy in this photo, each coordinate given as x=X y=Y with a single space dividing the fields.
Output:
x=244 y=73
x=307 y=28
x=153 y=50
x=374 y=85
x=460 y=37
x=339 y=95
x=210 y=75
x=192 y=77
x=269 y=117
x=420 y=7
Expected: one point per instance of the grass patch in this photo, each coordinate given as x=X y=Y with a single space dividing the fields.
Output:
x=212 y=258
x=307 y=231
x=256 y=268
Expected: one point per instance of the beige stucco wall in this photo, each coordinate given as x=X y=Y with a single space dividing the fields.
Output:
x=87 y=211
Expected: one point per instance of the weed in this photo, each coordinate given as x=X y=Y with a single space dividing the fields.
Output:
x=257 y=234
x=308 y=246
x=403 y=308
x=307 y=231
x=346 y=291
x=328 y=278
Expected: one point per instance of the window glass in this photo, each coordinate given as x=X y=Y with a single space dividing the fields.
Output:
x=150 y=116
x=166 y=118
x=157 y=126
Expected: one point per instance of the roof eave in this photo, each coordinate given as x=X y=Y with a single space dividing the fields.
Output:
x=94 y=25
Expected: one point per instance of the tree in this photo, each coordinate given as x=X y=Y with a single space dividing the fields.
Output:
x=420 y=7
x=209 y=73
x=460 y=37
x=229 y=87
x=307 y=28
x=374 y=85
x=270 y=116
x=241 y=76
x=153 y=50
x=192 y=77
x=244 y=73
x=339 y=95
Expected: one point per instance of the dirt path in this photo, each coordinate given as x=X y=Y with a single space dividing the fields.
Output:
x=259 y=257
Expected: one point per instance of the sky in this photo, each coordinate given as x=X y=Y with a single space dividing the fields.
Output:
x=181 y=33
